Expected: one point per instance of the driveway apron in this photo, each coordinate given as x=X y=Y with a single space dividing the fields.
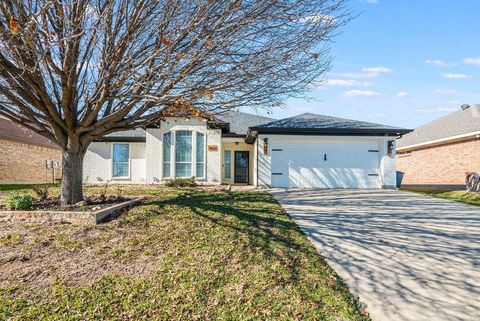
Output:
x=407 y=256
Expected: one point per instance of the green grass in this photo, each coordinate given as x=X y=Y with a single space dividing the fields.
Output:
x=19 y=187
x=472 y=198
x=209 y=255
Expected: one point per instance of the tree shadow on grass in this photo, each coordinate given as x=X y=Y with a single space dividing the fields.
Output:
x=220 y=208
x=271 y=232
x=256 y=215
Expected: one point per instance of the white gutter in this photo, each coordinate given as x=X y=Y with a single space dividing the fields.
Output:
x=440 y=141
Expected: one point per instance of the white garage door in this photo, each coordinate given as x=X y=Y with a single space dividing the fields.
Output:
x=313 y=164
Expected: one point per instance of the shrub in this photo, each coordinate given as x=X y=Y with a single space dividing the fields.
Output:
x=19 y=202
x=181 y=182
x=103 y=191
x=41 y=192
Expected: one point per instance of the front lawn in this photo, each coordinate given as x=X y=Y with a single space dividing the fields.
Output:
x=189 y=254
x=472 y=198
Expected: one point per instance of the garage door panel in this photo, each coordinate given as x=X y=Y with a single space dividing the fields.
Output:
x=325 y=165
x=332 y=178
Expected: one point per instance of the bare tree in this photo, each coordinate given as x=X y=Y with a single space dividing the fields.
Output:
x=75 y=70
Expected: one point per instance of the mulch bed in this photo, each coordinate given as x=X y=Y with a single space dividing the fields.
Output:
x=89 y=204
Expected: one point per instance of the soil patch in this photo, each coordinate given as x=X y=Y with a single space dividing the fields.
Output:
x=90 y=204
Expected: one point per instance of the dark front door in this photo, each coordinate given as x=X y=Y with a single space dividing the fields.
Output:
x=241 y=167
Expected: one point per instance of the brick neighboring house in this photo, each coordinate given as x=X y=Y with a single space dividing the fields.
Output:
x=439 y=153
x=23 y=155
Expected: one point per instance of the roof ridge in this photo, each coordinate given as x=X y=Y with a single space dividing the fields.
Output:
x=341 y=118
x=226 y=113
x=323 y=123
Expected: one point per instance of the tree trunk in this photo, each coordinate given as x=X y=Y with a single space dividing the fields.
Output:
x=72 y=175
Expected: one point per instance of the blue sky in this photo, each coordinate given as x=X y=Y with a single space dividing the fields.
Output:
x=401 y=62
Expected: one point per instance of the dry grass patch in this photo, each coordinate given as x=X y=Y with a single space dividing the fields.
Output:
x=466 y=197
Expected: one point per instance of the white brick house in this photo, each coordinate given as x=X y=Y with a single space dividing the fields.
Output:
x=306 y=151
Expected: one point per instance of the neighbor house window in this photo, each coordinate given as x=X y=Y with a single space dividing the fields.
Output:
x=167 y=144
x=227 y=161
x=121 y=160
x=200 y=155
x=183 y=153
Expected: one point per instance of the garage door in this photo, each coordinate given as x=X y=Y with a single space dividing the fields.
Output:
x=312 y=164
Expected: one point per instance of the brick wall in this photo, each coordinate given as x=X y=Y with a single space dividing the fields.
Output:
x=440 y=165
x=25 y=163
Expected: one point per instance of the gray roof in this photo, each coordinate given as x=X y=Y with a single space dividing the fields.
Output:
x=240 y=122
x=139 y=132
x=463 y=121
x=322 y=123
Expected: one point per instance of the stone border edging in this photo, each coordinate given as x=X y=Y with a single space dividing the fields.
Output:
x=64 y=216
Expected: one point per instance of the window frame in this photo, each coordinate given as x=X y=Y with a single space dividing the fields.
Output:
x=191 y=162
x=204 y=161
x=171 y=154
x=113 y=162
x=229 y=168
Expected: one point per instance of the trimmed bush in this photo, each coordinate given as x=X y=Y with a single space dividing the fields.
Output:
x=19 y=202
x=181 y=182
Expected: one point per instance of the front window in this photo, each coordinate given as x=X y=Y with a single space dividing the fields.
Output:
x=183 y=153
x=200 y=155
x=167 y=144
x=121 y=159
x=227 y=161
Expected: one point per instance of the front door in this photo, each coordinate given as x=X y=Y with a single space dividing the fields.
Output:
x=241 y=167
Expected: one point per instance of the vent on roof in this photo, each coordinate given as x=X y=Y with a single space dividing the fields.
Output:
x=465 y=106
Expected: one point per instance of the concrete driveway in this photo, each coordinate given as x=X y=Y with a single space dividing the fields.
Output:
x=408 y=257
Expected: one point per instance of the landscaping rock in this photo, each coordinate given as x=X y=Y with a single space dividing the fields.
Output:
x=80 y=204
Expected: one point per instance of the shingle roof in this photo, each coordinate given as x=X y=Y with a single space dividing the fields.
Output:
x=457 y=123
x=9 y=129
x=240 y=122
x=321 y=123
x=139 y=132
x=135 y=135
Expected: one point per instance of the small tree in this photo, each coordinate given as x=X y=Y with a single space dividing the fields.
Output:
x=75 y=70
